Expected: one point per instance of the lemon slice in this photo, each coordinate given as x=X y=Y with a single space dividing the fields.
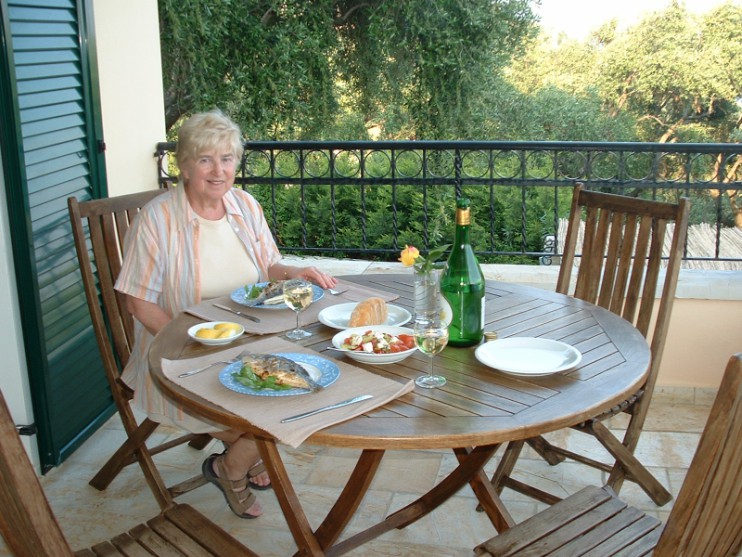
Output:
x=273 y=301
x=207 y=333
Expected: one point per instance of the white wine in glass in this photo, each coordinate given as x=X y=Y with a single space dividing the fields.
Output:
x=431 y=338
x=297 y=294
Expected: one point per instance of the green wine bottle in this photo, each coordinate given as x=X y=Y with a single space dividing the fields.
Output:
x=462 y=284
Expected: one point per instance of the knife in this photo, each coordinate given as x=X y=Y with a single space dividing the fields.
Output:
x=353 y=400
x=230 y=310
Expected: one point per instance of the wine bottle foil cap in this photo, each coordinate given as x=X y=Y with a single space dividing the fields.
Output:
x=490 y=335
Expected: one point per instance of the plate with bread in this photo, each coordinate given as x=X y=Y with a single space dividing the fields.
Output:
x=373 y=311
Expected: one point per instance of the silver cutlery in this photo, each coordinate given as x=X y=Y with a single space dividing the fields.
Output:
x=335 y=292
x=353 y=400
x=230 y=310
x=212 y=364
x=204 y=368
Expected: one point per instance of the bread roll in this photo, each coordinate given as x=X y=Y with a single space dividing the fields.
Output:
x=369 y=312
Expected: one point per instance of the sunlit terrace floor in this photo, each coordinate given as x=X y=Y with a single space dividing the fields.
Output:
x=86 y=515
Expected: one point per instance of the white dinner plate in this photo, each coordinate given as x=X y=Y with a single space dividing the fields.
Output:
x=528 y=356
x=323 y=371
x=337 y=316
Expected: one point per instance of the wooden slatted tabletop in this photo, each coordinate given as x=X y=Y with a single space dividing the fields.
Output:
x=478 y=407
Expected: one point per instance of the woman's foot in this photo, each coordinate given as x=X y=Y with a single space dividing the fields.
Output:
x=258 y=477
x=240 y=499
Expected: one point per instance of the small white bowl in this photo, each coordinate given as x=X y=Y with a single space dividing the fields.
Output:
x=368 y=357
x=237 y=332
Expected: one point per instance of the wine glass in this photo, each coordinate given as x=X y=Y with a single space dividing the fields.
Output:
x=431 y=337
x=297 y=294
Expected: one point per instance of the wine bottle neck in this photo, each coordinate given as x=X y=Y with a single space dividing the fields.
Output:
x=463 y=217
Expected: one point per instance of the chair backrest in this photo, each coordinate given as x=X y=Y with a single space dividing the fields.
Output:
x=621 y=258
x=706 y=518
x=108 y=220
x=27 y=522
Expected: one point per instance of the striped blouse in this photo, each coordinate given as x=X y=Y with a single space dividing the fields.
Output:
x=161 y=265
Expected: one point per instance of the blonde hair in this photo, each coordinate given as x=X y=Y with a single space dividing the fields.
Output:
x=206 y=131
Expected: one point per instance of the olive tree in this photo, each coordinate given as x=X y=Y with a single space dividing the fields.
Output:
x=321 y=69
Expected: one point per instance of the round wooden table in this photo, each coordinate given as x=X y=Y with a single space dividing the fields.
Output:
x=478 y=409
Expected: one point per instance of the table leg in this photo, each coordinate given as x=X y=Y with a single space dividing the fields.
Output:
x=470 y=465
x=487 y=495
x=288 y=499
x=350 y=498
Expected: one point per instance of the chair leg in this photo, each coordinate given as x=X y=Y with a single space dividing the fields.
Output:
x=506 y=465
x=123 y=456
x=634 y=469
x=126 y=454
x=200 y=441
x=187 y=485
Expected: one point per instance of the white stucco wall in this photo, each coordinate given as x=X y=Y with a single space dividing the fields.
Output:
x=130 y=73
x=13 y=373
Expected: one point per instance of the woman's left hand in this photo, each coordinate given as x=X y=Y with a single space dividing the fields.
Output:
x=281 y=271
x=313 y=274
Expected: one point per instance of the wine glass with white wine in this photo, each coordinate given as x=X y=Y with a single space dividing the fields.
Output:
x=297 y=294
x=431 y=337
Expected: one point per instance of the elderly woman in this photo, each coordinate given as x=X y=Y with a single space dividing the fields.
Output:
x=201 y=240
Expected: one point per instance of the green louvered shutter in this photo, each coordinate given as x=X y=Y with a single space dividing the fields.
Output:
x=57 y=123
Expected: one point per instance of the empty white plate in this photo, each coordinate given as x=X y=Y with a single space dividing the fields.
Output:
x=528 y=356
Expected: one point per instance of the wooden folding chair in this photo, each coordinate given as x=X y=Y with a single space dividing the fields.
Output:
x=107 y=221
x=30 y=529
x=706 y=519
x=620 y=270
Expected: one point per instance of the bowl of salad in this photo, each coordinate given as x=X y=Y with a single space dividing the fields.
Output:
x=376 y=344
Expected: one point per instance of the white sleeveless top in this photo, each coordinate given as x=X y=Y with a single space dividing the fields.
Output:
x=225 y=264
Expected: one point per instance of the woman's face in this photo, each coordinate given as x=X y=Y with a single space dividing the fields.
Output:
x=210 y=174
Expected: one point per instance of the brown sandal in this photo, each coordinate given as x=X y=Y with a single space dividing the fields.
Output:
x=254 y=472
x=237 y=493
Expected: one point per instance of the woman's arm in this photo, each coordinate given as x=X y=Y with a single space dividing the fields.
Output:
x=281 y=271
x=152 y=316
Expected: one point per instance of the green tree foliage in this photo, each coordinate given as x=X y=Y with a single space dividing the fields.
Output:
x=326 y=69
x=445 y=69
x=676 y=75
x=266 y=63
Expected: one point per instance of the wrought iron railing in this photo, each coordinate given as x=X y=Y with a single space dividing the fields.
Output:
x=324 y=197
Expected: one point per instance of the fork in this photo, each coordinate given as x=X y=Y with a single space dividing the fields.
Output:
x=212 y=364
x=204 y=368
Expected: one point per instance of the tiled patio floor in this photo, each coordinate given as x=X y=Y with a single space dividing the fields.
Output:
x=675 y=421
x=87 y=515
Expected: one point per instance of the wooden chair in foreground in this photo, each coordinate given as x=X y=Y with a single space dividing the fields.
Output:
x=705 y=521
x=107 y=221
x=30 y=529
x=620 y=270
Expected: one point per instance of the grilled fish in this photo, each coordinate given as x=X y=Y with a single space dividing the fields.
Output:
x=271 y=290
x=285 y=371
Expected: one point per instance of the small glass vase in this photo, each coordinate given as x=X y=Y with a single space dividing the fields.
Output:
x=427 y=294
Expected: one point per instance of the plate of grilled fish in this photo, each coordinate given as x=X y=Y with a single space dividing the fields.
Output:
x=267 y=295
x=283 y=374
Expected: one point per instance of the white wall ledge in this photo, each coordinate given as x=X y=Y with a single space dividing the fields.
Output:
x=693 y=284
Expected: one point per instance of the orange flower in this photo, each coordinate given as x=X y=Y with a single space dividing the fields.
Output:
x=408 y=255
